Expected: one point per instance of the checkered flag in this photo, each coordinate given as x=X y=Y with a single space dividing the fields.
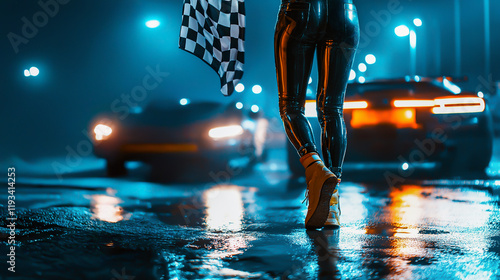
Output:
x=214 y=30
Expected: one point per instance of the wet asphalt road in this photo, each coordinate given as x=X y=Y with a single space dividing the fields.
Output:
x=88 y=226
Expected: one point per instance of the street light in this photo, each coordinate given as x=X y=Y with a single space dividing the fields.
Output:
x=370 y=59
x=362 y=67
x=239 y=87
x=352 y=75
x=417 y=22
x=34 y=71
x=152 y=23
x=403 y=31
x=256 y=89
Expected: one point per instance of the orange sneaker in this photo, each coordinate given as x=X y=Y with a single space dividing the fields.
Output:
x=321 y=184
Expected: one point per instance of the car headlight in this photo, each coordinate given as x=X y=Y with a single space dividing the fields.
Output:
x=102 y=132
x=225 y=131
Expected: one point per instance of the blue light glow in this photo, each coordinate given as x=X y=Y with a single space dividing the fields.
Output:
x=256 y=89
x=417 y=78
x=255 y=108
x=362 y=67
x=370 y=59
x=184 y=101
x=405 y=166
x=352 y=75
x=362 y=79
x=413 y=39
x=239 y=105
x=27 y=73
x=417 y=22
x=452 y=87
x=152 y=23
x=402 y=31
x=34 y=71
x=239 y=87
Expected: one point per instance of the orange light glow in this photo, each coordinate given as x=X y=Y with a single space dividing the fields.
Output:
x=401 y=118
x=105 y=208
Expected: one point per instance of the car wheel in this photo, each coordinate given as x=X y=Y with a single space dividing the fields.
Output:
x=115 y=168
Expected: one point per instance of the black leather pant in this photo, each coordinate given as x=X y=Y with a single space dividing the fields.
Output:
x=331 y=28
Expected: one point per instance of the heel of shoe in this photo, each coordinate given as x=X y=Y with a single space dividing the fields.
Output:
x=322 y=211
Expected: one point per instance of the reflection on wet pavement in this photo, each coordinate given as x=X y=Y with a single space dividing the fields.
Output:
x=105 y=208
x=253 y=229
x=224 y=208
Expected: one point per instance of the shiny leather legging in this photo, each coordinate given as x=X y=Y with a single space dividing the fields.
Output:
x=331 y=28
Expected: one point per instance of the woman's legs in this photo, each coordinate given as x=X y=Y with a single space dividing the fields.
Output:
x=334 y=66
x=294 y=60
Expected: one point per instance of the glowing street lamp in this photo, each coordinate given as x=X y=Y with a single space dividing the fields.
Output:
x=239 y=87
x=370 y=59
x=256 y=89
x=32 y=72
x=362 y=67
x=152 y=23
x=352 y=75
x=403 y=31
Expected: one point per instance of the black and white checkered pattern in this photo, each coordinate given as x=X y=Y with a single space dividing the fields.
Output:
x=214 y=30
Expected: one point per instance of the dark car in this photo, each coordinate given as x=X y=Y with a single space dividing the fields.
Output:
x=173 y=134
x=406 y=124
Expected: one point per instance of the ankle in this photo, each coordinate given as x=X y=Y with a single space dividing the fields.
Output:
x=309 y=159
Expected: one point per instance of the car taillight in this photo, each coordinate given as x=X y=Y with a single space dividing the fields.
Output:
x=459 y=105
x=446 y=105
x=413 y=103
x=355 y=105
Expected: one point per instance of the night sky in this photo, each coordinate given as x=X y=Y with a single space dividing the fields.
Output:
x=90 y=53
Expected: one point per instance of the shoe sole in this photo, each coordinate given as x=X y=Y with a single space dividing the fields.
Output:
x=322 y=211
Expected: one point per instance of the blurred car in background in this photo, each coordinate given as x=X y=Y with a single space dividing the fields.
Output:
x=410 y=124
x=172 y=135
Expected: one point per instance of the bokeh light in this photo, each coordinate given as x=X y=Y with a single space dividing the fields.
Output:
x=152 y=23
x=402 y=31
x=239 y=87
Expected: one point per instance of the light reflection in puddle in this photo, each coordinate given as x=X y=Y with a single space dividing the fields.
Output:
x=224 y=220
x=224 y=208
x=106 y=208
